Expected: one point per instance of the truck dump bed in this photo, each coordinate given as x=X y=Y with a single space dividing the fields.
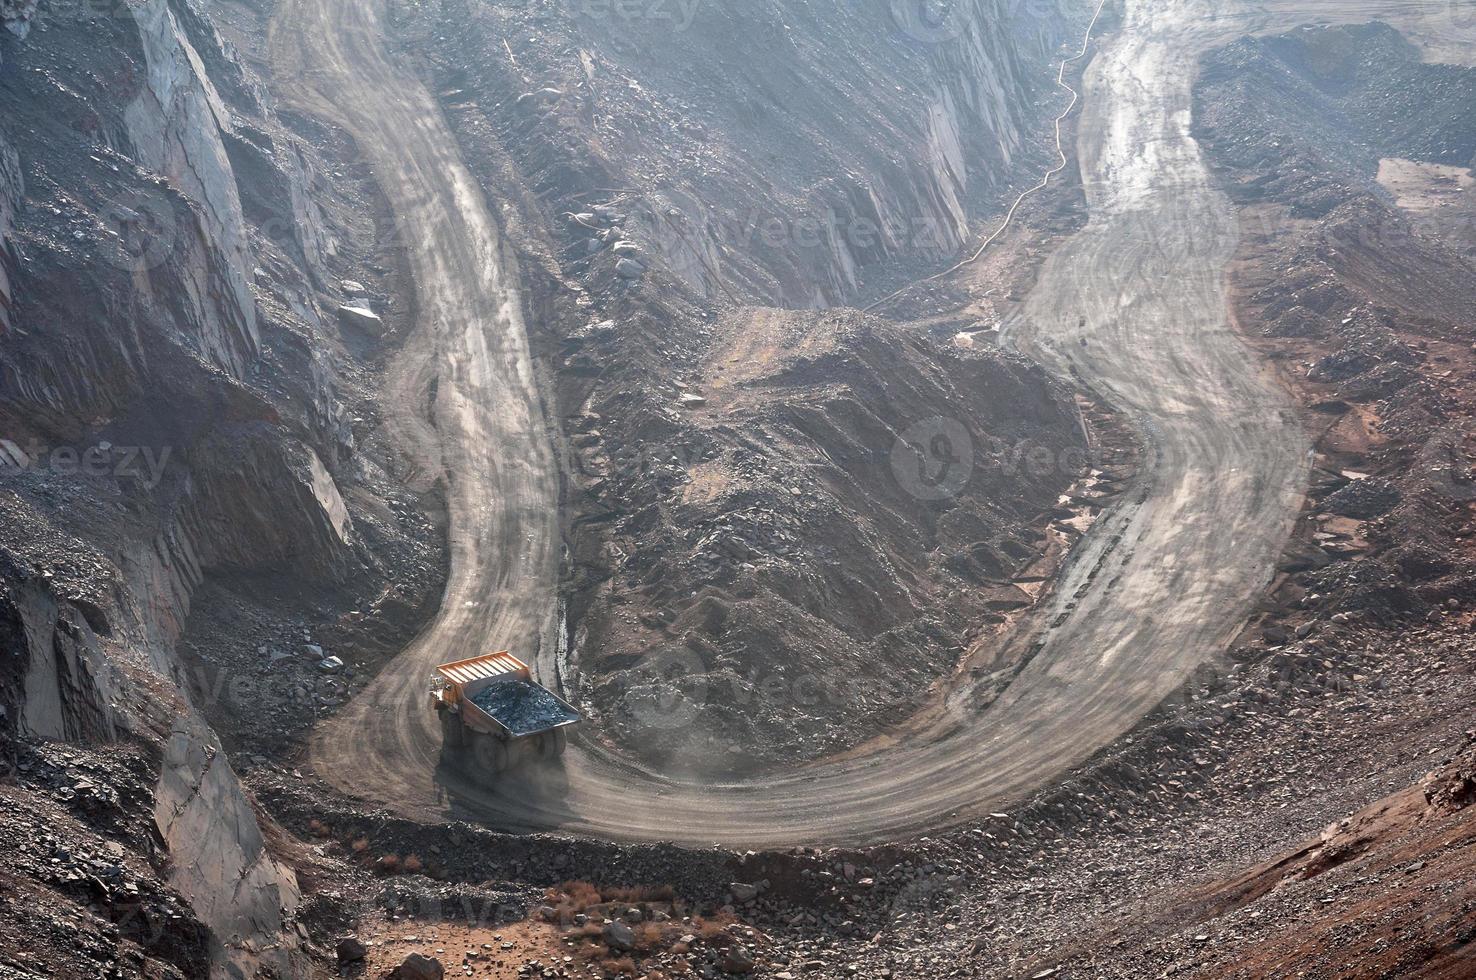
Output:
x=523 y=707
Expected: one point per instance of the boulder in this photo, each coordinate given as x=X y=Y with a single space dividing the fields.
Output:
x=351 y=950
x=743 y=892
x=618 y=936
x=361 y=317
x=629 y=269
x=736 y=959
x=417 y=967
x=16 y=15
x=1276 y=634
x=330 y=665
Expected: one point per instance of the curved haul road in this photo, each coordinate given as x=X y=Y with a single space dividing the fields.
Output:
x=1160 y=585
x=462 y=395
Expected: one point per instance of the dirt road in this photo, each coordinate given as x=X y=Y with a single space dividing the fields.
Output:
x=1159 y=586
x=462 y=396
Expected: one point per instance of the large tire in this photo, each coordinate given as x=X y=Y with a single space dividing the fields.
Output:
x=550 y=745
x=490 y=754
x=453 y=732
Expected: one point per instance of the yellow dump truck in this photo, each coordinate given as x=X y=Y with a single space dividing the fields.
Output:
x=492 y=710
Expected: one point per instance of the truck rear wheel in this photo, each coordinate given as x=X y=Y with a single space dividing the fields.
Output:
x=490 y=753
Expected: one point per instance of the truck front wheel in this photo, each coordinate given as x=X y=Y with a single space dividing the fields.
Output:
x=453 y=734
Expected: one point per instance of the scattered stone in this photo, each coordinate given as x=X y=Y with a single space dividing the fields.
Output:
x=541 y=97
x=1364 y=499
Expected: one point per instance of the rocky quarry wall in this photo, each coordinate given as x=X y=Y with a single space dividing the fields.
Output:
x=1371 y=298
x=169 y=411
x=769 y=152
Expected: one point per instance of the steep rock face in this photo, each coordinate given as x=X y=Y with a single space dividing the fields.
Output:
x=167 y=349
x=234 y=885
x=12 y=188
x=176 y=127
x=81 y=668
x=69 y=687
x=16 y=16
x=170 y=411
x=752 y=148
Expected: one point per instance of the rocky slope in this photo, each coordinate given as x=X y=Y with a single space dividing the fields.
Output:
x=821 y=533
x=175 y=392
x=1365 y=303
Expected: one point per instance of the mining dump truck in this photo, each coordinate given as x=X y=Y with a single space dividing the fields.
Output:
x=492 y=711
